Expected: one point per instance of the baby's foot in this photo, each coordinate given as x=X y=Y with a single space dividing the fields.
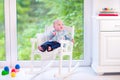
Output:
x=40 y=48
x=49 y=49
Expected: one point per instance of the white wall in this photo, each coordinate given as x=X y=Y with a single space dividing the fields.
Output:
x=99 y=4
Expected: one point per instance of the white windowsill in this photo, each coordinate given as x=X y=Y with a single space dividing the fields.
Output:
x=82 y=73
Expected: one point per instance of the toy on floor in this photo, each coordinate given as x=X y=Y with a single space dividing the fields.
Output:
x=13 y=71
x=17 y=67
x=6 y=68
x=5 y=71
x=13 y=74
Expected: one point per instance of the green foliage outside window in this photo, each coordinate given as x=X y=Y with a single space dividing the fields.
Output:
x=2 y=32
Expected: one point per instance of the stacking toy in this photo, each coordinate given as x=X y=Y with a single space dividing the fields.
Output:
x=17 y=66
x=13 y=74
x=13 y=70
x=4 y=72
x=6 y=68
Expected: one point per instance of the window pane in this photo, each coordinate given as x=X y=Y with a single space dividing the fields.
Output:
x=2 y=31
x=33 y=15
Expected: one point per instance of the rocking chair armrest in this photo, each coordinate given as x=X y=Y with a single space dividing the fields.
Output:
x=66 y=47
x=66 y=42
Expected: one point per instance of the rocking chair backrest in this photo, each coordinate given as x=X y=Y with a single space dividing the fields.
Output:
x=70 y=30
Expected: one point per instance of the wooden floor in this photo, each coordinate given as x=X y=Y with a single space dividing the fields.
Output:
x=82 y=73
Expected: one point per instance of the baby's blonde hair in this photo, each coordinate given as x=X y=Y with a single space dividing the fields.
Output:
x=57 y=20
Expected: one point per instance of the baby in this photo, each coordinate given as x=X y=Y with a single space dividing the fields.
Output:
x=55 y=36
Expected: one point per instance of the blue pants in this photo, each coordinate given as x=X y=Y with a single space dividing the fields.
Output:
x=52 y=44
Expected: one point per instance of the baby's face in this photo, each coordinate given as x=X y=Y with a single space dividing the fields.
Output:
x=58 y=25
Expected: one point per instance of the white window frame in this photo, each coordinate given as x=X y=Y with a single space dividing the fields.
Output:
x=12 y=26
x=7 y=35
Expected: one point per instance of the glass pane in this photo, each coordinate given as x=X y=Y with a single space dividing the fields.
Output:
x=33 y=15
x=2 y=31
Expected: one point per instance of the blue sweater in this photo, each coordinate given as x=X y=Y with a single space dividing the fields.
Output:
x=59 y=35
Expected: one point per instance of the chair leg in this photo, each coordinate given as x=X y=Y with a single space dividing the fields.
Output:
x=60 y=64
x=42 y=70
x=32 y=61
x=70 y=63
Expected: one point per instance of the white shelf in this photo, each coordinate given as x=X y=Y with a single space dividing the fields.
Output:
x=107 y=17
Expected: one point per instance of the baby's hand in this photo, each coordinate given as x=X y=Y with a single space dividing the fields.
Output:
x=54 y=33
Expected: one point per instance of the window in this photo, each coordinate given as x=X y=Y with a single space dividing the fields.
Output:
x=28 y=17
x=39 y=13
x=4 y=33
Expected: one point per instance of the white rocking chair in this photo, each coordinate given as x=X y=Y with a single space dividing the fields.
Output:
x=61 y=51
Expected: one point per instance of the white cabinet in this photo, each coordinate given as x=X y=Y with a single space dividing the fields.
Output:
x=106 y=45
x=110 y=48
